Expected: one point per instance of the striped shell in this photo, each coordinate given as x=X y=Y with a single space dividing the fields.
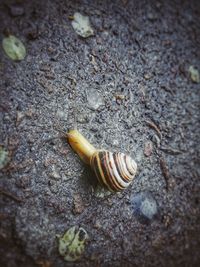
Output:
x=113 y=169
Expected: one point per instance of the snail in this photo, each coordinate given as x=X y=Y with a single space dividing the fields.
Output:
x=113 y=170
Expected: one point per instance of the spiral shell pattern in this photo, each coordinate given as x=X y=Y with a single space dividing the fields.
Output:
x=113 y=169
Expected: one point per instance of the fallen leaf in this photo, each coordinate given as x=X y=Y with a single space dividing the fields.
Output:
x=14 y=48
x=4 y=157
x=194 y=74
x=81 y=25
x=72 y=243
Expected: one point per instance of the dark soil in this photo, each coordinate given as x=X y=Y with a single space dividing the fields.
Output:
x=138 y=61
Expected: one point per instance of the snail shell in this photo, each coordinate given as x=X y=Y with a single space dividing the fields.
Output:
x=113 y=170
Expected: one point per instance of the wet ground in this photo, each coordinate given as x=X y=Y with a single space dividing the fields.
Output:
x=130 y=90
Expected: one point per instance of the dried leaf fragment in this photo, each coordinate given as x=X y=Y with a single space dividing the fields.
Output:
x=81 y=25
x=72 y=243
x=78 y=204
x=165 y=171
x=171 y=151
x=44 y=263
x=194 y=74
x=155 y=127
x=14 y=48
x=10 y=195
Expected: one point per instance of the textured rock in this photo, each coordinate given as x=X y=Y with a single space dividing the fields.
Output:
x=141 y=50
x=144 y=207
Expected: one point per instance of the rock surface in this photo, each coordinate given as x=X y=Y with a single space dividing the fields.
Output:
x=142 y=51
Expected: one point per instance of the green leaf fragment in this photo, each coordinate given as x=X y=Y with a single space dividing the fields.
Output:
x=81 y=25
x=4 y=157
x=72 y=243
x=194 y=74
x=14 y=48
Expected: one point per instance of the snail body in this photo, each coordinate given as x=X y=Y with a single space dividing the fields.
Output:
x=113 y=170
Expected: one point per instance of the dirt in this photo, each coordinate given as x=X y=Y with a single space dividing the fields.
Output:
x=137 y=61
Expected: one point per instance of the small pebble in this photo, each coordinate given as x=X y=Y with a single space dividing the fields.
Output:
x=95 y=100
x=97 y=225
x=144 y=207
x=81 y=25
x=61 y=114
x=147 y=76
x=148 y=148
x=151 y=16
x=20 y=116
x=55 y=175
x=53 y=187
x=82 y=118
x=23 y=182
x=101 y=192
